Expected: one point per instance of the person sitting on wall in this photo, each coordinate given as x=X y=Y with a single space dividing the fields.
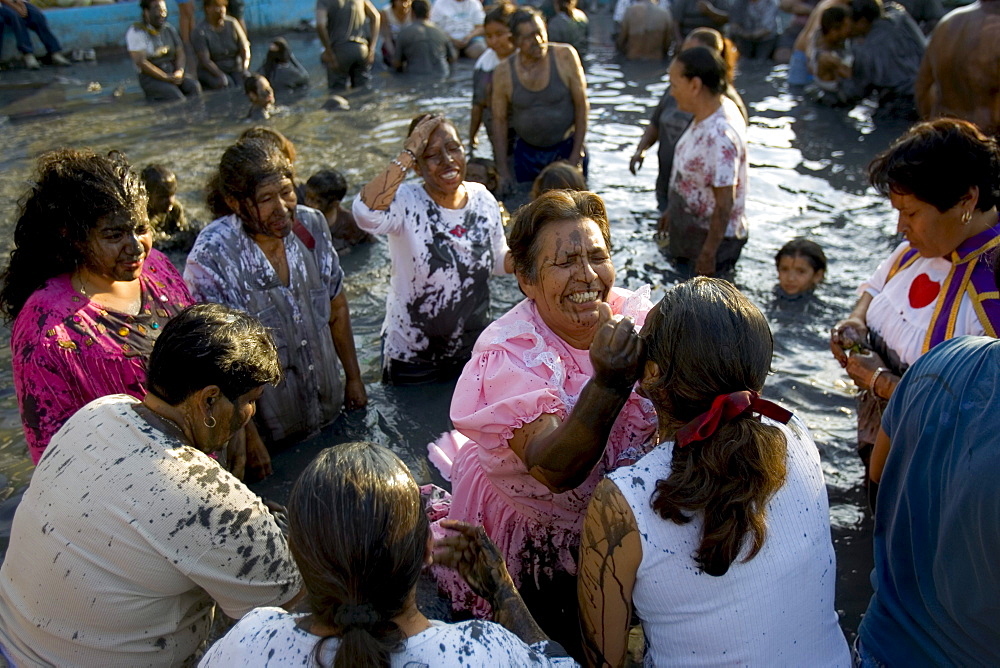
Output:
x=21 y=16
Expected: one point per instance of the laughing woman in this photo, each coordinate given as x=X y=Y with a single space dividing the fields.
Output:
x=546 y=407
x=445 y=239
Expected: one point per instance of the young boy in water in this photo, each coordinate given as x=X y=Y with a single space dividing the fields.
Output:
x=801 y=266
x=324 y=191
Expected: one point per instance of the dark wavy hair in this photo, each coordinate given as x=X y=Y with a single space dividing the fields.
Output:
x=551 y=207
x=358 y=533
x=212 y=344
x=937 y=162
x=709 y=340
x=707 y=64
x=73 y=191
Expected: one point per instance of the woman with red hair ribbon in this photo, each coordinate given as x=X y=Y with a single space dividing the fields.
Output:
x=719 y=538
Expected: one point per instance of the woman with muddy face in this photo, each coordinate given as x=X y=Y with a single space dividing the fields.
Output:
x=546 y=407
x=87 y=293
x=445 y=240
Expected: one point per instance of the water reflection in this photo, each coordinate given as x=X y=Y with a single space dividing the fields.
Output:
x=807 y=179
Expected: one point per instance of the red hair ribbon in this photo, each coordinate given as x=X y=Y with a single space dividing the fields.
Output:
x=725 y=408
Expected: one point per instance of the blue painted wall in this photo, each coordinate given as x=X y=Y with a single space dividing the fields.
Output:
x=105 y=25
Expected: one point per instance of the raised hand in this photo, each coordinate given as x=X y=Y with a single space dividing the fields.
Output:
x=617 y=352
x=416 y=143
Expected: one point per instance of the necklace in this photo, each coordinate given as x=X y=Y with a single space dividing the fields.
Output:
x=163 y=424
x=132 y=308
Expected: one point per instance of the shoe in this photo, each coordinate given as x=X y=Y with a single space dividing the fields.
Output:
x=77 y=55
x=60 y=60
x=90 y=54
x=31 y=62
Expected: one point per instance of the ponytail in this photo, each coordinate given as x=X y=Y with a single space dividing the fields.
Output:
x=358 y=532
x=729 y=477
x=708 y=341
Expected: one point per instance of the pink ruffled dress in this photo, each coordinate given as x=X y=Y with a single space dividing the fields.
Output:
x=520 y=369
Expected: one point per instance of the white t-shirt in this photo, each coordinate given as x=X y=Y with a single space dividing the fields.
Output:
x=712 y=153
x=122 y=541
x=902 y=309
x=775 y=610
x=442 y=259
x=269 y=636
x=457 y=17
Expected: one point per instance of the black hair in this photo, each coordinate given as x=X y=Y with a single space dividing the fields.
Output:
x=523 y=15
x=937 y=162
x=159 y=180
x=420 y=8
x=706 y=64
x=500 y=14
x=251 y=83
x=832 y=18
x=328 y=186
x=800 y=247
x=146 y=4
x=358 y=533
x=212 y=344
x=73 y=191
x=867 y=10
x=244 y=167
x=709 y=340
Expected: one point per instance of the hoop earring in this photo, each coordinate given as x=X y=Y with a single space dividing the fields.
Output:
x=210 y=422
x=966 y=217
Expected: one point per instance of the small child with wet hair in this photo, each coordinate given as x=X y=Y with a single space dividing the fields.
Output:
x=258 y=90
x=801 y=266
x=171 y=230
x=325 y=190
x=560 y=175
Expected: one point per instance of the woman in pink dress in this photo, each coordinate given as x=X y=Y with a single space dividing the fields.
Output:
x=86 y=291
x=546 y=406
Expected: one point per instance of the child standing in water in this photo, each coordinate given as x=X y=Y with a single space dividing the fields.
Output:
x=801 y=266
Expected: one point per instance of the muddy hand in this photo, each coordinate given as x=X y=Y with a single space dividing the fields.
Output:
x=861 y=367
x=616 y=352
x=416 y=143
x=471 y=552
x=847 y=336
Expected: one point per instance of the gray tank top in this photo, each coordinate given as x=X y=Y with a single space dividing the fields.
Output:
x=541 y=118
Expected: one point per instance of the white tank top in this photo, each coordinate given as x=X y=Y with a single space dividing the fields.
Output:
x=775 y=610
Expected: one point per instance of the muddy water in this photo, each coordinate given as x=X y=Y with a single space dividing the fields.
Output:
x=806 y=178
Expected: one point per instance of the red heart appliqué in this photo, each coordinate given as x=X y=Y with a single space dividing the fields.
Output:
x=923 y=291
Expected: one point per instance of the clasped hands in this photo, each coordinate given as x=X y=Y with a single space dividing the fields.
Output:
x=848 y=344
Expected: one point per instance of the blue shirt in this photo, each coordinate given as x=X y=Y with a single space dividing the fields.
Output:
x=937 y=524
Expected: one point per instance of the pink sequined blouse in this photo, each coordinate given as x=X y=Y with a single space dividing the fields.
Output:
x=68 y=351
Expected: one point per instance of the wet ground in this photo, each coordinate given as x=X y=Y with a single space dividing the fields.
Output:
x=806 y=179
